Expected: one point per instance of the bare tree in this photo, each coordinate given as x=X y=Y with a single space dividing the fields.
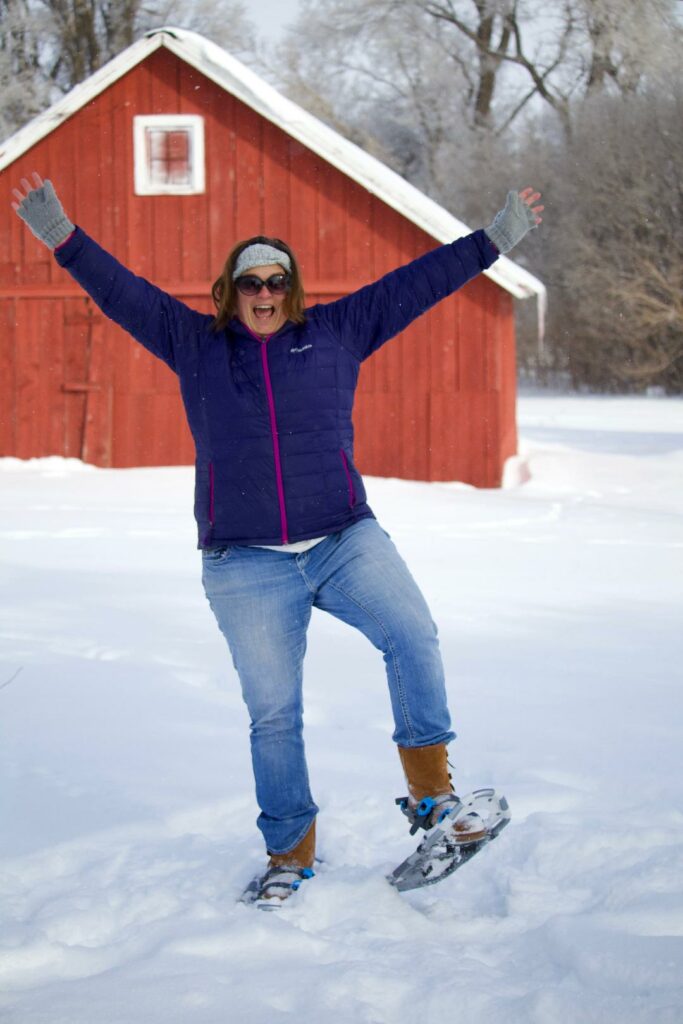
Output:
x=611 y=252
x=22 y=86
x=500 y=54
x=48 y=46
x=561 y=51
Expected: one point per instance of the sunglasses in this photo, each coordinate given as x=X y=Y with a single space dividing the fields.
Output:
x=250 y=284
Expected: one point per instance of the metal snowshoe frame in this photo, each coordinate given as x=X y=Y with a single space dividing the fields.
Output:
x=443 y=850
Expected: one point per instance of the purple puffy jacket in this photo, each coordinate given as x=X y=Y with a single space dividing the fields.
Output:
x=271 y=420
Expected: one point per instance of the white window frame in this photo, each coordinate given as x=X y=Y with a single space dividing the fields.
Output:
x=169 y=122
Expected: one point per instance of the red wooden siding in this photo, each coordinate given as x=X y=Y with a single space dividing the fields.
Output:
x=437 y=403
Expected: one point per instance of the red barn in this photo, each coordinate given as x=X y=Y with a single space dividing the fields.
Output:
x=169 y=155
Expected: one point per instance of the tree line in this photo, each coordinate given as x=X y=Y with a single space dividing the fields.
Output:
x=582 y=98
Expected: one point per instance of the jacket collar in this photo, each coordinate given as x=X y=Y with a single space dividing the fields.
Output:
x=235 y=326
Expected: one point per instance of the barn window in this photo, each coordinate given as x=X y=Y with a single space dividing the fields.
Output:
x=169 y=154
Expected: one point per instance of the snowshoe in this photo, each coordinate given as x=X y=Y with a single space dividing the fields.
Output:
x=457 y=829
x=269 y=891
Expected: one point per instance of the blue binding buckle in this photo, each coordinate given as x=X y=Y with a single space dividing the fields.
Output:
x=425 y=807
x=305 y=873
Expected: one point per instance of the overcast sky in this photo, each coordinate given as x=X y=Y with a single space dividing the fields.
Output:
x=273 y=16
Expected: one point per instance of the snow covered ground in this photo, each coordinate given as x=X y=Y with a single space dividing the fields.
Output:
x=128 y=816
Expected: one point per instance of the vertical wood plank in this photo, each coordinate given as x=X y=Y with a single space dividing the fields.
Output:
x=74 y=342
x=276 y=183
x=508 y=390
x=8 y=385
x=32 y=422
x=97 y=441
x=332 y=225
x=195 y=98
x=304 y=214
x=248 y=173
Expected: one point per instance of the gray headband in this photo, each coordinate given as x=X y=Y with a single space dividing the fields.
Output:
x=260 y=255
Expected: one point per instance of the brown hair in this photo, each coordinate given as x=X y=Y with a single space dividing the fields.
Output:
x=224 y=292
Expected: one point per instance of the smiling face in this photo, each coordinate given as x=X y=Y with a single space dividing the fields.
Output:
x=262 y=313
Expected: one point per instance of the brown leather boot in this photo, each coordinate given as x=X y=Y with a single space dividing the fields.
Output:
x=302 y=856
x=427 y=775
x=426 y=771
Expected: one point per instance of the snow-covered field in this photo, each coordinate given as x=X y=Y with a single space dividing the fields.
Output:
x=127 y=818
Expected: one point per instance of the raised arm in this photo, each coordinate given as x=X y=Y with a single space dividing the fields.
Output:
x=160 y=322
x=367 y=318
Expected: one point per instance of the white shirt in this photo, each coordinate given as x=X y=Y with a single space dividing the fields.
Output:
x=291 y=549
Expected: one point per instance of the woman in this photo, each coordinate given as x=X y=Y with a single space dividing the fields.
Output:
x=284 y=526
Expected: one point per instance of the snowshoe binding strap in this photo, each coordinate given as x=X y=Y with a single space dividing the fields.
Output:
x=269 y=891
x=426 y=814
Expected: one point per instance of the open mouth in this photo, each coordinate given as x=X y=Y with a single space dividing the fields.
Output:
x=263 y=312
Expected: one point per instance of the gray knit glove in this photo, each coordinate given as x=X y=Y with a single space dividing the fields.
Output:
x=512 y=223
x=42 y=211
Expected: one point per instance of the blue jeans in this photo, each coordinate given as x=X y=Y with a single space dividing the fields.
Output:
x=263 y=599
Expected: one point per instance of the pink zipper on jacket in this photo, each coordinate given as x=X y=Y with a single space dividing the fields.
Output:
x=274 y=434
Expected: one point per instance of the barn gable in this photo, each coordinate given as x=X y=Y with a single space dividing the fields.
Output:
x=437 y=403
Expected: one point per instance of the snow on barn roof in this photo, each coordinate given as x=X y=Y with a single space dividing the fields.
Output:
x=237 y=79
